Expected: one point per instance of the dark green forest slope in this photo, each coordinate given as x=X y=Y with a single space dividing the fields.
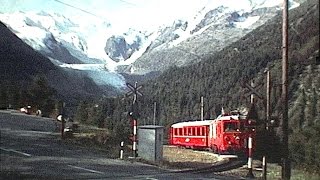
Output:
x=218 y=78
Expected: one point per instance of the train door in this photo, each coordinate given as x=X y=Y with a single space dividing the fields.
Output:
x=210 y=135
x=210 y=131
x=213 y=137
x=218 y=141
x=214 y=131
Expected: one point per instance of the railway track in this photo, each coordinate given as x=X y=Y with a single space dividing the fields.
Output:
x=224 y=165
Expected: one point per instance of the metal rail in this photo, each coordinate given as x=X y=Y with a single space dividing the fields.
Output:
x=221 y=166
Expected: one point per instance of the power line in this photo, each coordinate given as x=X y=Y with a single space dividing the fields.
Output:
x=129 y=3
x=85 y=11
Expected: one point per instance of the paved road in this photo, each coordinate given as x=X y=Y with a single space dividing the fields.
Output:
x=31 y=148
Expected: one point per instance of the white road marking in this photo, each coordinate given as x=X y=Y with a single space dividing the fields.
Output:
x=85 y=169
x=18 y=152
x=14 y=131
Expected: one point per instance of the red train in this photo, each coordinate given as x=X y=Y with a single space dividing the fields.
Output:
x=227 y=134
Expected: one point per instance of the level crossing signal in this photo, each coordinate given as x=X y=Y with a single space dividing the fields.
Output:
x=134 y=91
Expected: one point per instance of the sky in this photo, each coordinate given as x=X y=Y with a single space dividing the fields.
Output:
x=122 y=13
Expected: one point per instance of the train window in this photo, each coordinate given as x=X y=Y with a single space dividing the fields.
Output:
x=180 y=131
x=230 y=126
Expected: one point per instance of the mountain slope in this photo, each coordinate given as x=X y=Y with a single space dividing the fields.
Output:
x=191 y=41
x=218 y=77
x=19 y=61
x=20 y=64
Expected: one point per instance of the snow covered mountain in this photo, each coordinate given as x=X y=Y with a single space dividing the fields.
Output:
x=96 y=47
x=210 y=30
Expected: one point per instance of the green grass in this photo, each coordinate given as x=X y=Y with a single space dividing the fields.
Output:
x=274 y=172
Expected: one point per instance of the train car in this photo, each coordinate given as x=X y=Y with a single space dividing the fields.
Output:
x=193 y=134
x=227 y=134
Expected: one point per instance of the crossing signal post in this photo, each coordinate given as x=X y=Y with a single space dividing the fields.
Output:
x=133 y=114
x=134 y=134
x=62 y=114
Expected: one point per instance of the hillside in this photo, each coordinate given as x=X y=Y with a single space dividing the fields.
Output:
x=217 y=78
x=19 y=61
x=21 y=65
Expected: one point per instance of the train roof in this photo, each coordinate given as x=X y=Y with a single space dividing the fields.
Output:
x=231 y=117
x=192 y=123
x=208 y=122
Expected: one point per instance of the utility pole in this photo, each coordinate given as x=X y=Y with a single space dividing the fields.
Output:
x=154 y=112
x=252 y=94
x=268 y=109
x=286 y=167
x=201 y=108
x=62 y=113
x=266 y=128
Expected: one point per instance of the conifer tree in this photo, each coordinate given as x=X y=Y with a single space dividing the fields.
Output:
x=81 y=114
x=3 y=96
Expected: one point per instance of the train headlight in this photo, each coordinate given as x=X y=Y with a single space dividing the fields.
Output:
x=227 y=138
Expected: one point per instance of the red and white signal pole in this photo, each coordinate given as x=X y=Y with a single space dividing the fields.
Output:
x=134 y=140
x=250 y=174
